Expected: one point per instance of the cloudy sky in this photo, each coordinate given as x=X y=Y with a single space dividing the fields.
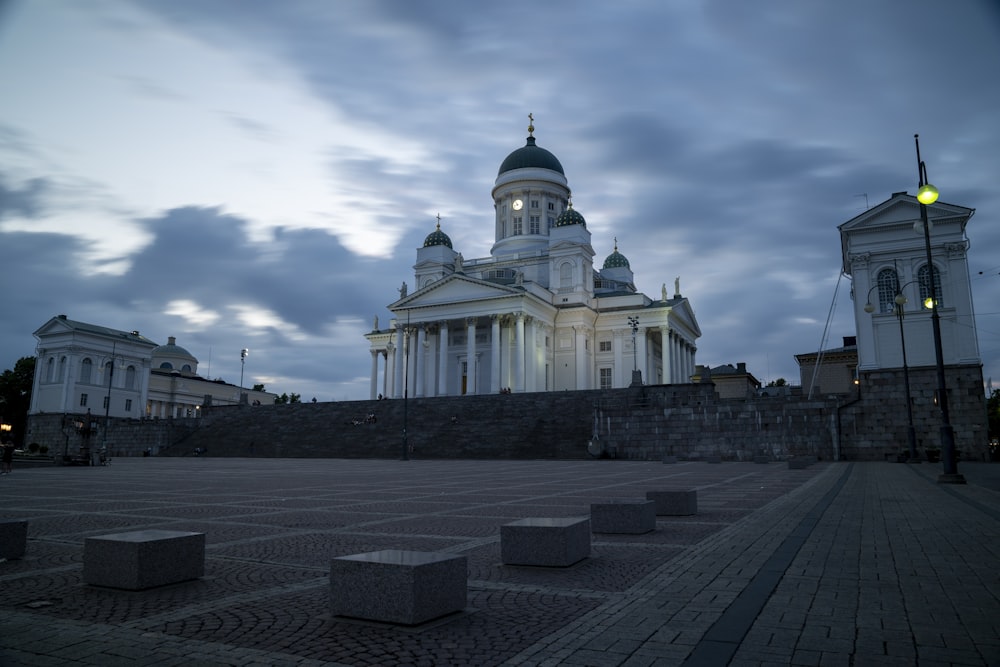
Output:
x=260 y=174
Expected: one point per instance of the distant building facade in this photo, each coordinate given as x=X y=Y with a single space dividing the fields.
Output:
x=536 y=315
x=729 y=381
x=83 y=368
x=833 y=371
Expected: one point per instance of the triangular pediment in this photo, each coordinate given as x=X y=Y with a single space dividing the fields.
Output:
x=901 y=209
x=456 y=288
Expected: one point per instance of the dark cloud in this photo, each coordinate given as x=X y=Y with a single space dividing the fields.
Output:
x=26 y=201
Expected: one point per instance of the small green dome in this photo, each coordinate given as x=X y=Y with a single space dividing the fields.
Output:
x=616 y=260
x=437 y=237
x=570 y=217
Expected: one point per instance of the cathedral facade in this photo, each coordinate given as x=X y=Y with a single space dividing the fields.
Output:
x=537 y=314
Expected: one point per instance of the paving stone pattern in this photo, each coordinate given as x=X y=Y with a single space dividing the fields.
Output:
x=887 y=567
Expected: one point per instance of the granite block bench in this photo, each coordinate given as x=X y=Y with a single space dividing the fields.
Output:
x=548 y=542
x=13 y=538
x=395 y=586
x=632 y=517
x=682 y=502
x=801 y=462
x=143 y=559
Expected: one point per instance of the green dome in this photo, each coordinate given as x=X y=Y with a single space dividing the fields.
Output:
x=570 y=217
x=616 y=260
x=437 y=237
x=531 y=156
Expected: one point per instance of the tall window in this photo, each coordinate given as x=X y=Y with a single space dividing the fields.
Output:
x=518 y=225
x=888 y=286
x=534 y=223
x=108 y=370
x=923 y=279
x=130 y=377
x=605 y=378
x=83 y=400
x=50 y=370
x=566 y=275
x=605 y=346
x=86 y=370
x=62 y=369
x=128 y=405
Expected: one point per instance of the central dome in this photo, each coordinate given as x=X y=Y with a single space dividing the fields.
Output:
x=531 y=156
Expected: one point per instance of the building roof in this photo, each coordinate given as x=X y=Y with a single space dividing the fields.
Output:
x=531 y=156
x=437 y=237
x=97 y=329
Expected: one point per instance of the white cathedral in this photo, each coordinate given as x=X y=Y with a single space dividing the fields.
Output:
x=536 y=315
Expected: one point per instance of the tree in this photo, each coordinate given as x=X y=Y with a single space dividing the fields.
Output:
x=285 y=398
x=258 y=387
x=993 y=414
x=780 y=382
x=15 y=397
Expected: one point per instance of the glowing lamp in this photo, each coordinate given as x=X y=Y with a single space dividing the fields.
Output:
x=927 y=194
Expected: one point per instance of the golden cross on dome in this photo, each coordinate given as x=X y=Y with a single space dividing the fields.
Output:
x=531 y=124
x=616 y=244
x=439 y=222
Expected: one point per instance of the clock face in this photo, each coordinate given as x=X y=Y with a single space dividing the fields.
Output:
x=518 y=204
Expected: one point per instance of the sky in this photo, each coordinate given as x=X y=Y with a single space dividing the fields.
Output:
x=260 y=174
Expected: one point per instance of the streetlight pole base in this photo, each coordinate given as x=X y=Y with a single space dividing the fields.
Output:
x=636 y=379
x=951 y=478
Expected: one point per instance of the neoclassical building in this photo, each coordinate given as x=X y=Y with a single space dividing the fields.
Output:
x=85 y=367
x=537 y=314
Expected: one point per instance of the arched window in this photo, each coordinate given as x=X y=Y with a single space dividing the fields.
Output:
x=130 y=377
x=86 y=371
x=62 y=369
x=923 y=279
x=50 y=370
x=186 y=368
x=167 y=365
x=888 y=286
x=108 y=372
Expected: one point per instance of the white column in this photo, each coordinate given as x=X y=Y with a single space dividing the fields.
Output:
x=665 y=354
x=419 y=361
x=443 y=359
x=385 y=371
x=397 y=383
x=519 y=353
x=641 y=354
x=495 y=354
x=581 y=357
x=531 y=356
x=373 y=382
x=470 y=353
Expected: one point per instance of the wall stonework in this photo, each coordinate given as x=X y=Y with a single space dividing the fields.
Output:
x=641 y=423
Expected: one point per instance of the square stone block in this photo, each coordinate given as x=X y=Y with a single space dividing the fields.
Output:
x=631 y=517
x=548 y=542
x=13 y=538
x=143 y=559
x=682 y=502
x=394 y=586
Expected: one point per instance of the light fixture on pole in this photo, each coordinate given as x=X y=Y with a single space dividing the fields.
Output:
x=927 y=194
x=900 y=301
x=107 y=403
x=244 y=353
x=633 y=322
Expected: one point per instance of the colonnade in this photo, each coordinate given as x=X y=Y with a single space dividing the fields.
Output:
x=512 y=353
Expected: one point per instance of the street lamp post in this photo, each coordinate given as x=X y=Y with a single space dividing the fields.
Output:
x=633 y=322
x=928 y=194
x=244 y=353
x=107 y=402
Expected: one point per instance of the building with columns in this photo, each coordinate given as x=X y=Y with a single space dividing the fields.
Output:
x=91 y=368
x=537 y=314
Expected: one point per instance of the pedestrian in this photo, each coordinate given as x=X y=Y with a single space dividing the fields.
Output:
x=8 y=457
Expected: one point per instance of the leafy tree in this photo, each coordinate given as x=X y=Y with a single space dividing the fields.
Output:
x=285 y=398
x=15 y=396
x=258 y=387
x=780 y=382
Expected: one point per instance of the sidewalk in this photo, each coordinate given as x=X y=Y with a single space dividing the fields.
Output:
x=867 y=563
